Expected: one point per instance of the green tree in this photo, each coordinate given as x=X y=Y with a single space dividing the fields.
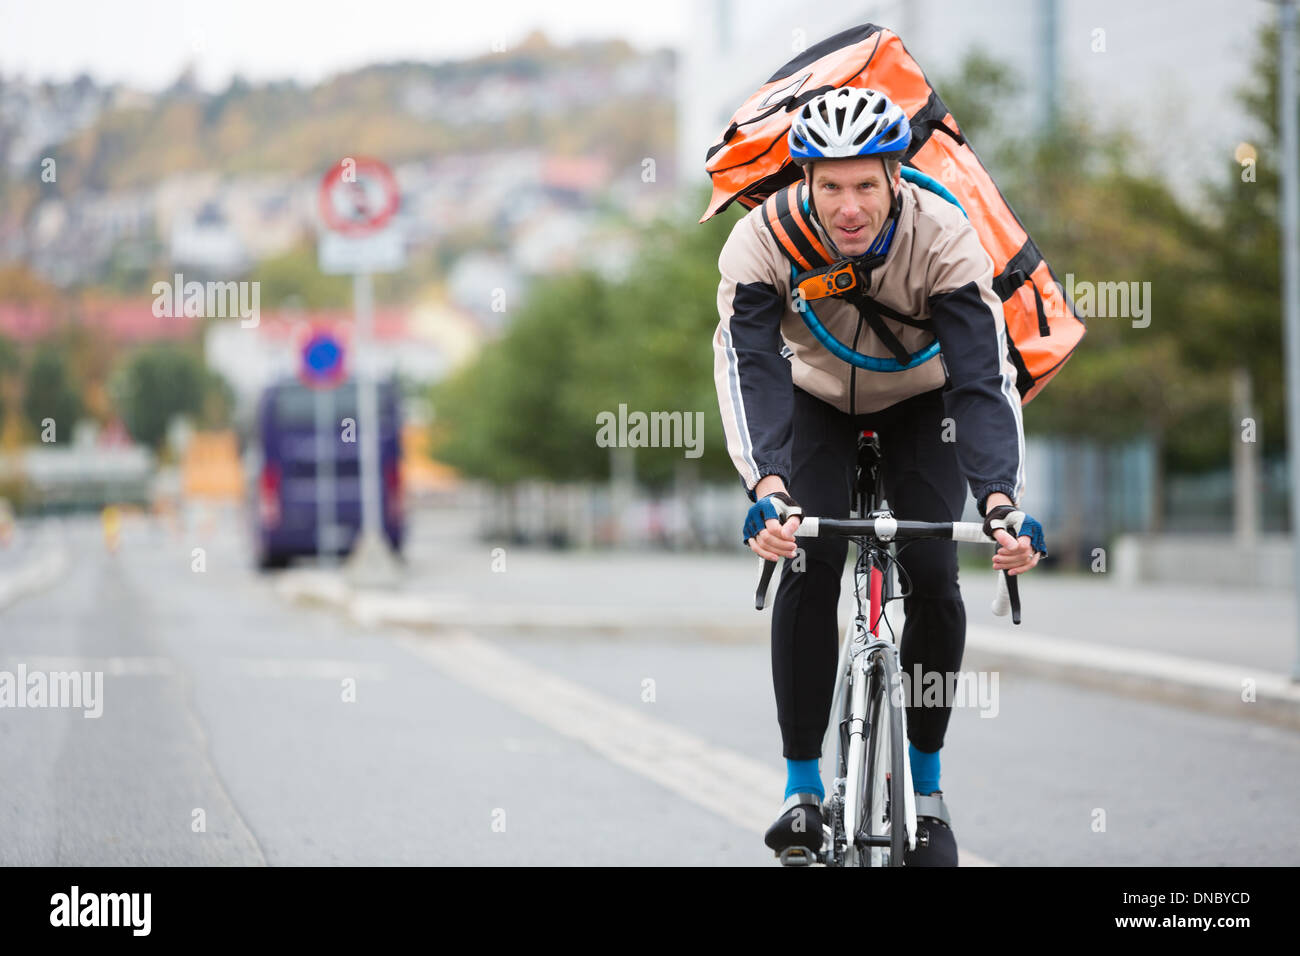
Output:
x=217 y=405
x=975 y=96
x=1238 y=322
x=49 y=394
x=10 y=364
x=9 y=361
x=583 y=346
x=1099 y=218
x=292 y=279
x=155 y=384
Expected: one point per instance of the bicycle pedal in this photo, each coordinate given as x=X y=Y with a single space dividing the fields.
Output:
x=796 y=856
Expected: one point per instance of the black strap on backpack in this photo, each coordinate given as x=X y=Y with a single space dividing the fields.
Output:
x=873 y=313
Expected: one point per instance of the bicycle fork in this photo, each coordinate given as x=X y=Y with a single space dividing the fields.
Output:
x=854 y=669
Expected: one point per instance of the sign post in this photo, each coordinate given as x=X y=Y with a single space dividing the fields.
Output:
x=321 y=369
x=358 y=200
x=1289 y=129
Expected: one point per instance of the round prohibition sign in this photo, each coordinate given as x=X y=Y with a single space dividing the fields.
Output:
x=358 y=196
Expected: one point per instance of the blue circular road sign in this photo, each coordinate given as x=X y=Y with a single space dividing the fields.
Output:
x=321 y=364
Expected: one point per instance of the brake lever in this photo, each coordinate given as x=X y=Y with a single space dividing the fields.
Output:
x=1011 y=585
x=764 y=580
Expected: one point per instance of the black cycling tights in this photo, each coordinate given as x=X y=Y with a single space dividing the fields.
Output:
x=922 y=483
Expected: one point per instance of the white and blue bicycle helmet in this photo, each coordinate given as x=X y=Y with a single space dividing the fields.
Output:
x=850 y=121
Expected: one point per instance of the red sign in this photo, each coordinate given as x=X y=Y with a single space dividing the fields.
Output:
x=358 y=196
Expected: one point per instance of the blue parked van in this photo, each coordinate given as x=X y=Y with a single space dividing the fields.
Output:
x=285 y=498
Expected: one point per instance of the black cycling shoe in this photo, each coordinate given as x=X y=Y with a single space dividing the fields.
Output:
x=935 y=843
x=800 y=824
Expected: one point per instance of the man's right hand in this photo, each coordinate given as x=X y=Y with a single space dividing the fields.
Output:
x=770 y=526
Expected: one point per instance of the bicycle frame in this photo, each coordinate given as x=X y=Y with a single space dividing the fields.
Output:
x=858 y=651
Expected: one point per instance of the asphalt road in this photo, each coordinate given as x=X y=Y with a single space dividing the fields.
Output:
x=239 y=729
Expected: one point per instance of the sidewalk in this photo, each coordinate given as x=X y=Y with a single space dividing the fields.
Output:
x=1184 y=645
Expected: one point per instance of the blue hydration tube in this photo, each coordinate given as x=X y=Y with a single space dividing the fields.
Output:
x=918 y=178
x=845 y=354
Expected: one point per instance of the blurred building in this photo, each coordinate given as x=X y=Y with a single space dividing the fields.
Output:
x=123 y=322
x=38 y=116
x=95 y=469
x=207 y=241
x=486 y=284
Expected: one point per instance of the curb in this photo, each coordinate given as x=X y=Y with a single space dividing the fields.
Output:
x=1210 y=686
x=371 y=608
x=1207 y=686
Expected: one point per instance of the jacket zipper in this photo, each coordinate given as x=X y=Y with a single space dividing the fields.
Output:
x=853 y=371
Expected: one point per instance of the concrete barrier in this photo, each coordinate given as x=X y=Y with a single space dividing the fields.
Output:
x=1202 y=559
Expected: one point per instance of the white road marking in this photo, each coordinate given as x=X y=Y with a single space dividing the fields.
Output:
x=33 y=576
x=737 y=788
x=270 y=667
x=110 y=666
x=305 y=667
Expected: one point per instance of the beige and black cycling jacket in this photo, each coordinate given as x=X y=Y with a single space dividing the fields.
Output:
x=935 y=271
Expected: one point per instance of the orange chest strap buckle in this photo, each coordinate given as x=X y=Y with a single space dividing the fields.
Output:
x=833 y=280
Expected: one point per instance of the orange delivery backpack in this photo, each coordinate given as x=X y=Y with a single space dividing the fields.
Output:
x=751 y=161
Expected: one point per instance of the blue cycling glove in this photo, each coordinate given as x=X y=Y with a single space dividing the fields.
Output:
x=1031 y=527
x=777 y=505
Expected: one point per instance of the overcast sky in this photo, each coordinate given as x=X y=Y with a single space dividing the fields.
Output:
x=146 y=43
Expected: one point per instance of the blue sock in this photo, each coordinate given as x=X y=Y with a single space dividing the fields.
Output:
x=802 y=776
x=925 y=770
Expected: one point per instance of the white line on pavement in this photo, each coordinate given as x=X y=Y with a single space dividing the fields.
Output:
x=112 y=666
x=303 y=667
x=270 y=667
x=735 y=787
x=32 y=577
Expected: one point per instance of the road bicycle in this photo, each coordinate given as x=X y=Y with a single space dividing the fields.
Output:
x=869 y=818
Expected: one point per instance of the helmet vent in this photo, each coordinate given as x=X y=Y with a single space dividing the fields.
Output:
x=848 y=122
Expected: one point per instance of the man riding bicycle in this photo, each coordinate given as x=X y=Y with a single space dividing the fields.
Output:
x=792 y=411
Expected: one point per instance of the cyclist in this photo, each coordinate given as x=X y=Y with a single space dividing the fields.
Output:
x=792 y=412
x=111 y=520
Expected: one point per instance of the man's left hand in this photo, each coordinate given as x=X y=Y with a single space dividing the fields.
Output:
x=1016 y=555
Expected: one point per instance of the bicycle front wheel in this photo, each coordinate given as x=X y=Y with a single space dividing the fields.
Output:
x=883 y=812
